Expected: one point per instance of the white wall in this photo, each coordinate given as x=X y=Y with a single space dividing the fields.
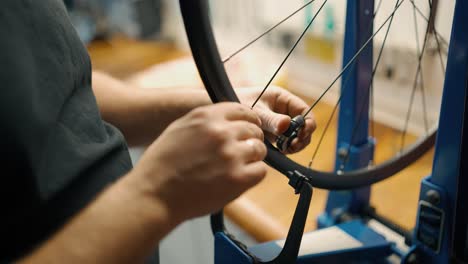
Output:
x=248 y=16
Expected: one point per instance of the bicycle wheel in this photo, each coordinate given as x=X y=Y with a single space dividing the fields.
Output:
x=211 y=67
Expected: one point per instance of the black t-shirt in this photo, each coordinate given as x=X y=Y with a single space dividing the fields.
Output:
x=56 y=152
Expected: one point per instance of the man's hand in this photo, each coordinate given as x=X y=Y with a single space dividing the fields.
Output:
x=276 y=108
x=205 y=160
x=200 y=162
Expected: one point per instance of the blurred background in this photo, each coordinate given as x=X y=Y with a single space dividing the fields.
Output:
x=143 y=43
x=313 y=64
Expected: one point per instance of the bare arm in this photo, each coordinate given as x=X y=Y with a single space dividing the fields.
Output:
x=142 y=114
x=123 y=225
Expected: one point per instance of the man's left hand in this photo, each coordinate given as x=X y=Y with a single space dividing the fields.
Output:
x=276 y=108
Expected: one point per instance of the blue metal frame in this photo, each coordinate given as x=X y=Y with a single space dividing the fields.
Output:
x=435 y=227
x=353 y=122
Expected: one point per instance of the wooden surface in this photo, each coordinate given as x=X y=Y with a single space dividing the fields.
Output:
x=266 y=211
x=123 y=57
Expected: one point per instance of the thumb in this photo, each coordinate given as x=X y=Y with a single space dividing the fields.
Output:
x=273 y=122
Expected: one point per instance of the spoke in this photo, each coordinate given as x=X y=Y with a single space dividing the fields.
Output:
x=413 y=91
x=377 y=9
x=408 y=115
x=439 y=51
x=436 y=37
x=430 y=28
x=289 y=54
x=371 y=108
x=415 y=85
x=433 y=15
x=355 y=57
x=319 y=144
x=369 y=90
x=416 y=31
x=267 y=32
x=445 y=42
x=424 y=106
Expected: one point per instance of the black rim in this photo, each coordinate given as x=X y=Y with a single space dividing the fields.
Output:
x=212 y=72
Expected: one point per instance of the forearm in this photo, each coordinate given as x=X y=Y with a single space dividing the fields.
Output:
x=123 y=225
x=142 y=114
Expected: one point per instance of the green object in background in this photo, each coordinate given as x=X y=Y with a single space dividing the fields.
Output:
x=329 y=30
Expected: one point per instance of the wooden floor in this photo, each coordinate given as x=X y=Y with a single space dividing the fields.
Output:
x=265 y=211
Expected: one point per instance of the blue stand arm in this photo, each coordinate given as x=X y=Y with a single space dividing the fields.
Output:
x=355 y=149
x=441 y=229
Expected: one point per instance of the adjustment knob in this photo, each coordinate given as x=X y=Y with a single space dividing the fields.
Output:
x=284 y=141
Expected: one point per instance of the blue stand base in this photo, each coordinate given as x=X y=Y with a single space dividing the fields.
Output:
x=227 y=252
x=351 y=242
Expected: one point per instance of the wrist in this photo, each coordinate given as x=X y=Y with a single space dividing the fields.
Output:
x=149 y=199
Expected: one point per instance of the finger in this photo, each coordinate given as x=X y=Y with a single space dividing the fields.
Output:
x=293 y=147
x=290 y=104
x=244 y=130
x=309 y=128
x=273 y=122
x=299 y=144
x=253 y=173
x=270 y=137
x=251 y=150
x=235 y=111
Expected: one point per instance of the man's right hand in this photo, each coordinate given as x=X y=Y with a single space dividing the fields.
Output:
x=204 y=160
x=201 y=162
